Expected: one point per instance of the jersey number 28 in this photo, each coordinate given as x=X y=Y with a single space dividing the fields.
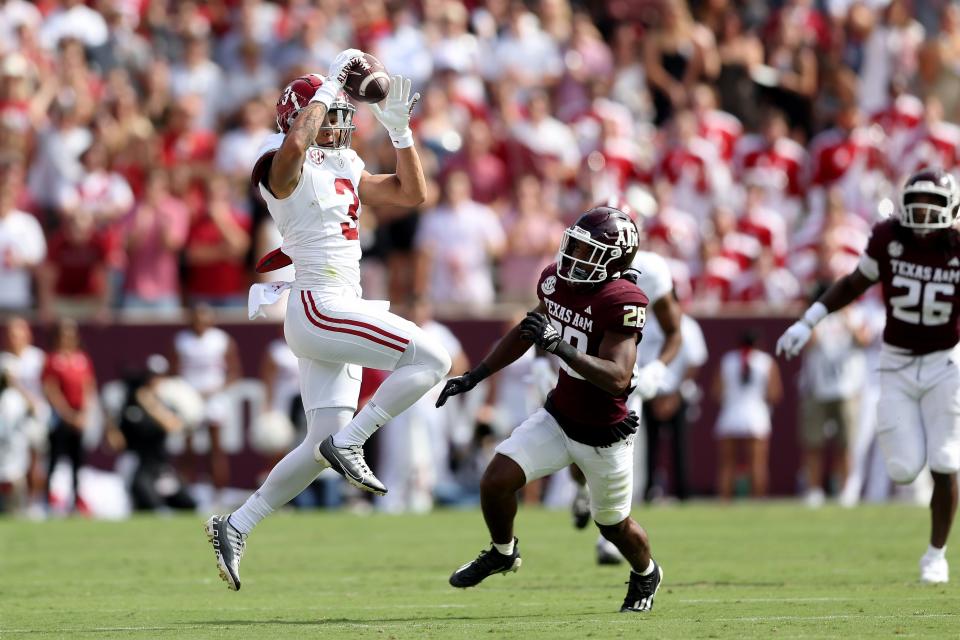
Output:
x=932 y=311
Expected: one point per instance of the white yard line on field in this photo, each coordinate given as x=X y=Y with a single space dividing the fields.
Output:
x=498 y=623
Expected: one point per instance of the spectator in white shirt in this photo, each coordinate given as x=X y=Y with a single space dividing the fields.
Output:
x=74 y=19
x=550 y=142
x=22 y=244
x=457 y=243
x=197 y=74
x=237 y=151
x=249 y=78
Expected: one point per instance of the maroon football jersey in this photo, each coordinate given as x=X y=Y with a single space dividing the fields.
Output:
x=583 y=316
x=920 y=276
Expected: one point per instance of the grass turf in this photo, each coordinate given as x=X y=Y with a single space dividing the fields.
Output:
x=771 y=570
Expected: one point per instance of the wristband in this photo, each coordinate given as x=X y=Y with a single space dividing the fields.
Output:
x=813 y=315
x=403 y=139
x=327 y=93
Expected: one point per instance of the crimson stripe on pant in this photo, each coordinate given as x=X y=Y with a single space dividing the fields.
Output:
x=371 y=327
x=336 y=329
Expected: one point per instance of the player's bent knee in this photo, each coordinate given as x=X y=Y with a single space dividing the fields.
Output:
x=613 y=520
x=503 y=475
x=431 y=354
x=902 y=471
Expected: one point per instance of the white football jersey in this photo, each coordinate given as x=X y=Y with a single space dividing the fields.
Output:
x=319 y=220
x=656 y=282
x=203 y=358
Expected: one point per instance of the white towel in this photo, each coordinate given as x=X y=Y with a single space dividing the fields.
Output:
x=264 y=294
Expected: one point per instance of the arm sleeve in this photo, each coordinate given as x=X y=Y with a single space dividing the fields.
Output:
x=869 y=264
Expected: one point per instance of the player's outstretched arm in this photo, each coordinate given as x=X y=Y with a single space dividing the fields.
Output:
x=838 y=295
x=510 y=347
x=287 y=163
x=612 y=367
x=408 y=186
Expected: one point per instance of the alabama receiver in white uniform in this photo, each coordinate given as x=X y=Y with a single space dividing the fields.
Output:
x=313 y=184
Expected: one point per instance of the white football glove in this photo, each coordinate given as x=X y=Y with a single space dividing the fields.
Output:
x=336 y=76
x=793 y=339
x=649 y=378
x=396 y=110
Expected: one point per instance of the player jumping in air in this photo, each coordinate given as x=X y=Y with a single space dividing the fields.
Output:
x=591 y=319
x=916 y=258
x=313 y=184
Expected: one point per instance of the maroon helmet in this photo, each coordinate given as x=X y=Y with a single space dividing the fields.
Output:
x=598 y=247
x=296 y=96
x=930 y=200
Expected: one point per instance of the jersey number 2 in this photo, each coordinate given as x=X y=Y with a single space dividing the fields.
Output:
x=932 y=312
x=350 y=230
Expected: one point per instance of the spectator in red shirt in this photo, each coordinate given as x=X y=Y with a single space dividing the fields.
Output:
x=156 y=231
x=216 y=246
x=70 y=387
x=74 y=278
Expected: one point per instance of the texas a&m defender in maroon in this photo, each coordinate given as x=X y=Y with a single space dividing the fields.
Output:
x=592 y=320
x=915 y=256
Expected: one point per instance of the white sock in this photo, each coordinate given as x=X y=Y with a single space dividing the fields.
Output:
x=419 y=369
x=250 y=513
x=370 y=418
x=504 y=549
x=933 y=552
x=648 y=570
x=293 y=474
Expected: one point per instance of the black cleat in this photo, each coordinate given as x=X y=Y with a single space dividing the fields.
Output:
x=642 y=589
x=580 y=508
x=607 y=553
x=228 y=545
x=489 y=562
x=350 y=463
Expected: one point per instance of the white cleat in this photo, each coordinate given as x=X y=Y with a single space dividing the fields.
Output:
x=934 y=569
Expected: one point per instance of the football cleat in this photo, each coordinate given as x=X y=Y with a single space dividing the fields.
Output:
x=607 y=552
x=489 y=562
x=581 y=508
x=934 y=569
x=642 y=589
x=228 y=545
x=350 y=463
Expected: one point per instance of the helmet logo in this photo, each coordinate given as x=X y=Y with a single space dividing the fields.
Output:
x=549 y=285
x=628 y=236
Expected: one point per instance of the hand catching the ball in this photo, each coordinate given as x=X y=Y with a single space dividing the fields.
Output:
x=394 y=115
x=339 y=69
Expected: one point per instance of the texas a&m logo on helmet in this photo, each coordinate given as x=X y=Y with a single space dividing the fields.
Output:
x=598 y=247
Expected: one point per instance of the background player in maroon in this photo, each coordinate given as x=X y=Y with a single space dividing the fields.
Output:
x=591 y=319
x=916 y=258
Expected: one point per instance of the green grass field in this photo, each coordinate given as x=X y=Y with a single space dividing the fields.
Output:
x=752 y=571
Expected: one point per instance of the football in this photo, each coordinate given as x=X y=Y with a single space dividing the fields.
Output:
x=368 y=82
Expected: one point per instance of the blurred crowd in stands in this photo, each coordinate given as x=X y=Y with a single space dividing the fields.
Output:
x=755 y=139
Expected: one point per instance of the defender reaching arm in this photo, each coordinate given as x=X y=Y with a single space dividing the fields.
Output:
x=838 y=295
x=610 y=370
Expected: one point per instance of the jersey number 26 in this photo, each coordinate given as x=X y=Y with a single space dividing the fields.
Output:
x=933 y=311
